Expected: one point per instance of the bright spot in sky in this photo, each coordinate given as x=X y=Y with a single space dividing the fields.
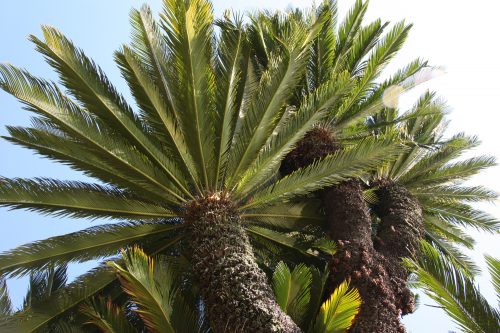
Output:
x=390 y=98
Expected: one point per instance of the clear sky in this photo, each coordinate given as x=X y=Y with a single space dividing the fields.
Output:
x=461 y=36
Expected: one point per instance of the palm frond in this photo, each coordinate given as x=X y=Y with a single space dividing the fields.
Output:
x=286 y=216
x=42 y=284
x=106 y=316
x=36 y=318
x=45 y=99
x=276 y=84
x=150 y=284
x=292 y=290
x=456 y=293
x=337 y=313
x=5 y=303
x=231 y=72
x=76 y=199
x=331 y=170
x=188 y=31
x=80 y=246
x=494 y=269
x=85 y=80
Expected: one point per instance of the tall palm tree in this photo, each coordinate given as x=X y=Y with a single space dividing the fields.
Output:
x=361 y=52
x=190 y=172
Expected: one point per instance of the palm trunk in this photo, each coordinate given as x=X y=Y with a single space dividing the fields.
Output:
x=235 y=291
x=349 y=224
x=398 y=236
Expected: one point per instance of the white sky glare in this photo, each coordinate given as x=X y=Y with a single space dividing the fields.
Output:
x=462 y=36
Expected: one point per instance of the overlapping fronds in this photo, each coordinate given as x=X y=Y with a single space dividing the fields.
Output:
x=292 y=289
x=38 y=316
x=455 y=292
x=150 y=284
x=106 y=316
x=42 y=284
x=299 y=293
x=494 y=269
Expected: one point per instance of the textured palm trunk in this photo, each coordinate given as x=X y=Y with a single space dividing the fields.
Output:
x=398 y=236
x=349 y=225
x=235 y=291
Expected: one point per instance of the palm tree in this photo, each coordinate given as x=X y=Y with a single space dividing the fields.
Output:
x=190 y=173
x=361 y=53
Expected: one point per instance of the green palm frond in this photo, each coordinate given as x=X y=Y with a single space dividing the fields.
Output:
x=333 y=169
x=150 y=284
x=462 y=215
x=456 y=193
x=5 y=303
x=307 y=246
x=89 y=84
x=286 y=216
x=337 y=313
x=189 y=33
x=292 y=289
x=47 y=100
x=456 y=293
x=453 y=254
x=494 y=269
x=231 y=70
x=76 y=199
x=42 y=284
x=92 y=243
x=299 y=293
x=105 y=315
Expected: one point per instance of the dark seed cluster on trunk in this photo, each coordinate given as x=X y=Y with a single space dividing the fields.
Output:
x=315 y=145
x=229 y=277
x=376 y=269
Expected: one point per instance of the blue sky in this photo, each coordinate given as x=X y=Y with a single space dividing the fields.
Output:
x=463 y=41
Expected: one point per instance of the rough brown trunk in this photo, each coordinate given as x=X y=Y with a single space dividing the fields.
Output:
x=235 y=291
x=398 y=236
x=349 y=225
